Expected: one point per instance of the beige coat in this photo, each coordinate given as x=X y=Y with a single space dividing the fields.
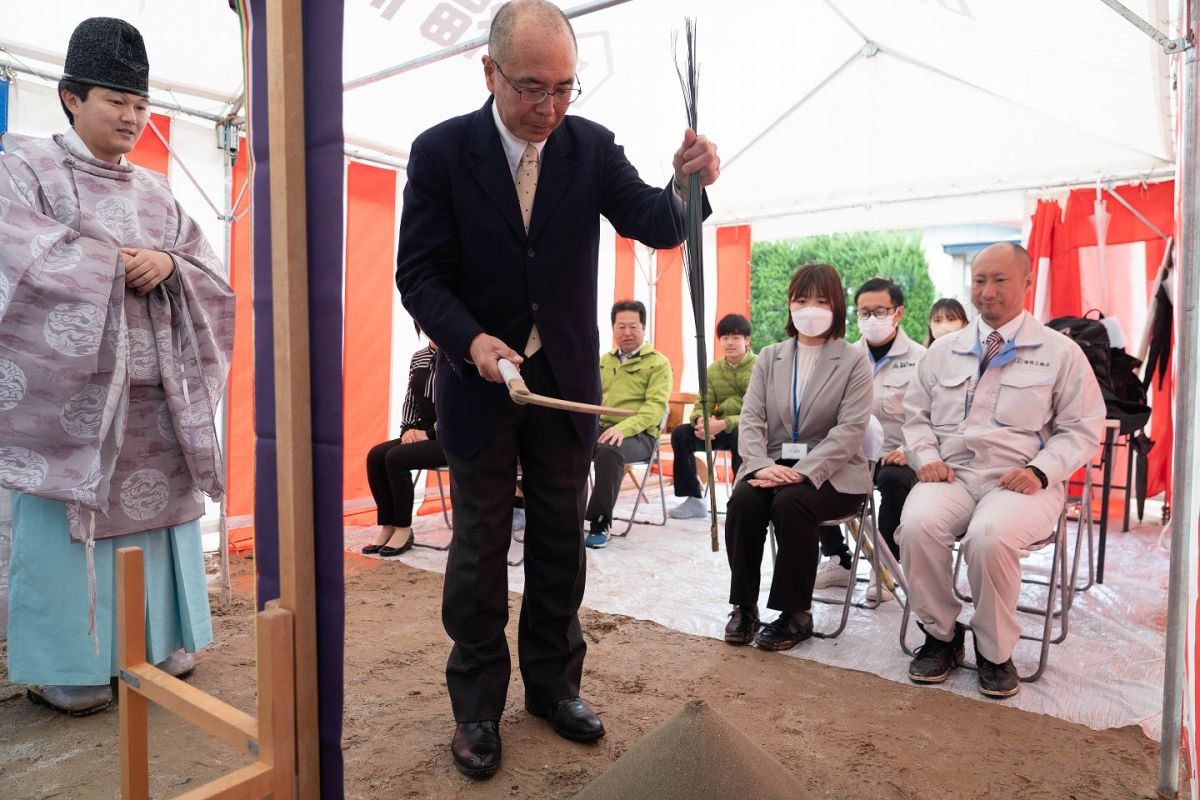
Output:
x=892 y=375
x=834 y=412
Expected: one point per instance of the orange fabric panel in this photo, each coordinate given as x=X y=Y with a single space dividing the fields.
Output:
x=370 y=265
x=150 y=152
x=733 y=277
x=1041 y=243
x=623 y=281
x=239 y=395
x=668 y=311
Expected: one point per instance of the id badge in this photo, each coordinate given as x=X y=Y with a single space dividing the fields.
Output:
x=794 y=451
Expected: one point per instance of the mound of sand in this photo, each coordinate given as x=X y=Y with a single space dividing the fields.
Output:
x=696 y=755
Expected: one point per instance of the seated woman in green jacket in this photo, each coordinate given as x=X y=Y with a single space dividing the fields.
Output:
x=728 y=378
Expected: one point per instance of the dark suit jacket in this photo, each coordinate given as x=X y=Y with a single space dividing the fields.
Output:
x=465 y=265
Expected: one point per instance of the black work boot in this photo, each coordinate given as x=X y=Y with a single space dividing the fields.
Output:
x=934 y=660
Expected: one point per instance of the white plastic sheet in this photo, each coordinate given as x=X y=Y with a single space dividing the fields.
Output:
x=1106 y=674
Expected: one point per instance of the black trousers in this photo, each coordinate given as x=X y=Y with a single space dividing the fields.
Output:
x=389 y=475
x=894 y=482
x=795 y=511
x=554 y=465
x=610 y=471
x=685 y=444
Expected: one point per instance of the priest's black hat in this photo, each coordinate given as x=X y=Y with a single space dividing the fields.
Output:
x=108 y=52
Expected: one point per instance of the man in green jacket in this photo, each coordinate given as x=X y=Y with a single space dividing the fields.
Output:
x=728 y=378
x=633 y=376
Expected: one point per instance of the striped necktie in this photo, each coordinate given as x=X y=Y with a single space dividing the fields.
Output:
x=994 y=342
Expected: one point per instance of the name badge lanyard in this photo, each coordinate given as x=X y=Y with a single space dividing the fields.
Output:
x=795 y=392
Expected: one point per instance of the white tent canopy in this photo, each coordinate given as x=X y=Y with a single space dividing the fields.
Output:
x=814 y=104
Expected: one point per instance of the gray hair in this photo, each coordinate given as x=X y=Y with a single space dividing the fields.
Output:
x=504 y=24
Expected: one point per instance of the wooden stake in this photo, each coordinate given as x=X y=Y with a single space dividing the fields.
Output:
x=293 y=420
x=276 y=714
x=131 y=653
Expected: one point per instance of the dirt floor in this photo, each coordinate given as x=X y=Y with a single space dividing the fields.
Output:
x=844 y=734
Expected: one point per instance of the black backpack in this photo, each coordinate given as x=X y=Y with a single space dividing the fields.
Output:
x=1092 y=338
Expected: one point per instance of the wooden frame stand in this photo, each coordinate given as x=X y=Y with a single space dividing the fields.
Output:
x=270 y=737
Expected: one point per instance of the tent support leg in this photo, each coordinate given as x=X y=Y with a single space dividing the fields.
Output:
x=1183 y=479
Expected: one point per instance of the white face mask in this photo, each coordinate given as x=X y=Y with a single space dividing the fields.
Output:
x=877 y=330
x=812 y=321
x=940 y=329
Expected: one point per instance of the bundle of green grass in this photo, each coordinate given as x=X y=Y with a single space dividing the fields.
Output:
x=695 y=755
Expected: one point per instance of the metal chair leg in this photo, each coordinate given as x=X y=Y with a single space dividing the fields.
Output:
x=445 y=514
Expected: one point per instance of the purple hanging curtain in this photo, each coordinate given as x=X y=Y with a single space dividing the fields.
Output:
x=323 y=152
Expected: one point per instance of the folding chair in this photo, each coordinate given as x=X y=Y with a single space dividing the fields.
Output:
x=867 y=539
x=1059 y=582
x=652 y=463
x=721 y=460
x=437 y=472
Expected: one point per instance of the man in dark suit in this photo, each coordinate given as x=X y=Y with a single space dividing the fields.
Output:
x=497 y=259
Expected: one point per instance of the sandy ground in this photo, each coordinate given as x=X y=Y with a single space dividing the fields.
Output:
x=842 y=733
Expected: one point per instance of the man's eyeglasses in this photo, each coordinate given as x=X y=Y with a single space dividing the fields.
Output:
x=878 y=313
x=531 y=97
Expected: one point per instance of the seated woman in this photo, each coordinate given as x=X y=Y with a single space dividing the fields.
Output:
x=389 y=464
x=800 y=435
x=946 y=315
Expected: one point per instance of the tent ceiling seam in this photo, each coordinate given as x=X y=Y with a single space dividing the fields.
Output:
x=860 y=53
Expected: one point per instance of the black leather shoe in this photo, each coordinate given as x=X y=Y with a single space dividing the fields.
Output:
x=743 y=624
x=371 y=549
x=571 y=718
x=476 y=748
x=388 y=552
x=997 y=680
x=792 y=628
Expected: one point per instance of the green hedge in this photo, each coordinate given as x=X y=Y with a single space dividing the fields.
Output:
x=857 y=257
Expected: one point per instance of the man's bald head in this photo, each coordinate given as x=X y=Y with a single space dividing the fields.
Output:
x=1007 y=250
x=1000 y=275
x=534 y=16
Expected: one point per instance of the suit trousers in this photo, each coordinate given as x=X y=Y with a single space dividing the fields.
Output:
x=389 y=475
x=554 y=465
x=684 y=446
x=795 y=511
x=997 y=527
x=610 y=471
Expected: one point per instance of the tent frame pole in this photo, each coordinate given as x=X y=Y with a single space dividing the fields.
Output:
x=1169 y=45
x=1187 y=333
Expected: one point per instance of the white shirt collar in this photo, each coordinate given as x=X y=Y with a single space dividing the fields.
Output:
x=514 y=148
x=1008 y=330
x=75 y=141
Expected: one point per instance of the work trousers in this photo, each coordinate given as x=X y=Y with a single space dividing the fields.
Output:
x=684 y=446
x=609 y=465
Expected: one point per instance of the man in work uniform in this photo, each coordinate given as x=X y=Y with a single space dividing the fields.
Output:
x=1000 y=415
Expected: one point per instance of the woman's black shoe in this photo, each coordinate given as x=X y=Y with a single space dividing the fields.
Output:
x=792 y=628
x=371 y=549
x=743 y=623
x=388 y=552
